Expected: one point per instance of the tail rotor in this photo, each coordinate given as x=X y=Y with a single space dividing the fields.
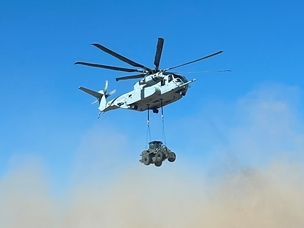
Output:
x=105 y=90
x=101 y=95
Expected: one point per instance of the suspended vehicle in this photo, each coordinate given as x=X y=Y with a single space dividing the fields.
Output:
x=156 y=154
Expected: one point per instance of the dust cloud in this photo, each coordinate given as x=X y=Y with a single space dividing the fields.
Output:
x=260 y=185
x=271 y=197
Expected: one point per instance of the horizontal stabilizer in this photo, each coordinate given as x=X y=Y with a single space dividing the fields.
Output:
x=91 y=92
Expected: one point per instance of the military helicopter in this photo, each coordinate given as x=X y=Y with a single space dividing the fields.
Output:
x=156 y=88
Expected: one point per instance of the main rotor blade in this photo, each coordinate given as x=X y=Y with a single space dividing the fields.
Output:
x=109 y=67
x=203 y=72
x=122 y=58
x=158 y=53
x=205 y=57
x=131 y=77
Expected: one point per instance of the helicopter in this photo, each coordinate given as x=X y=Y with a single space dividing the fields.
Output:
x=155 y=89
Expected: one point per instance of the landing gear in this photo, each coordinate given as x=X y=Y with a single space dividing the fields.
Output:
x=135 y=107
x=183 y=93
x=155 y=110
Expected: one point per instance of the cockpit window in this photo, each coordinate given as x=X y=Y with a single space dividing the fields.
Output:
x=172 y=76
x=180 y=78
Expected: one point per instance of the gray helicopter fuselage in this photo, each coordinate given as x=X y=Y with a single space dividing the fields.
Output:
x=157 y=87
x=152 y=92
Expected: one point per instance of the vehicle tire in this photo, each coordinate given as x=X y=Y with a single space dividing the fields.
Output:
x=146 y=159
x=172 y=157
x=158 y=164
x=159 y=156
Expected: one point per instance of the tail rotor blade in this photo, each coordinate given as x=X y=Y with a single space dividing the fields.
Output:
x=111 y=93
x=95 y=102
x=106 y=87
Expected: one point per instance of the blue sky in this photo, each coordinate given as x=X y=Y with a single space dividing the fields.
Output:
x=47 y=123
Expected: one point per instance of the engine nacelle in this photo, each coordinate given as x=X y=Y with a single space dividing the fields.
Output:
x=151 y=79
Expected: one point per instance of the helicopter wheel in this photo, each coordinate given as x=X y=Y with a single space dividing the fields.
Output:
x=155 y=110
x=146 y=159
x=172 y=157
x=183 y=93
x=158 y=164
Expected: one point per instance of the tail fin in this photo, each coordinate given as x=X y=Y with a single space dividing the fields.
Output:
x=99 y=96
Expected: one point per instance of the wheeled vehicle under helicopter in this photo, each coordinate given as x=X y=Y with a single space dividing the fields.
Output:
x=156 y=154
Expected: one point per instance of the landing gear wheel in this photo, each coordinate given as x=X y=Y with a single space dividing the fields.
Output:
x=158 y=164
x=155 y=110
x=172 y=157
x=159 y=157
x=146 y=159
x=183 y=93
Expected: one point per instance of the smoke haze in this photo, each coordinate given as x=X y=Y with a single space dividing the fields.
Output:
x=256 y=179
